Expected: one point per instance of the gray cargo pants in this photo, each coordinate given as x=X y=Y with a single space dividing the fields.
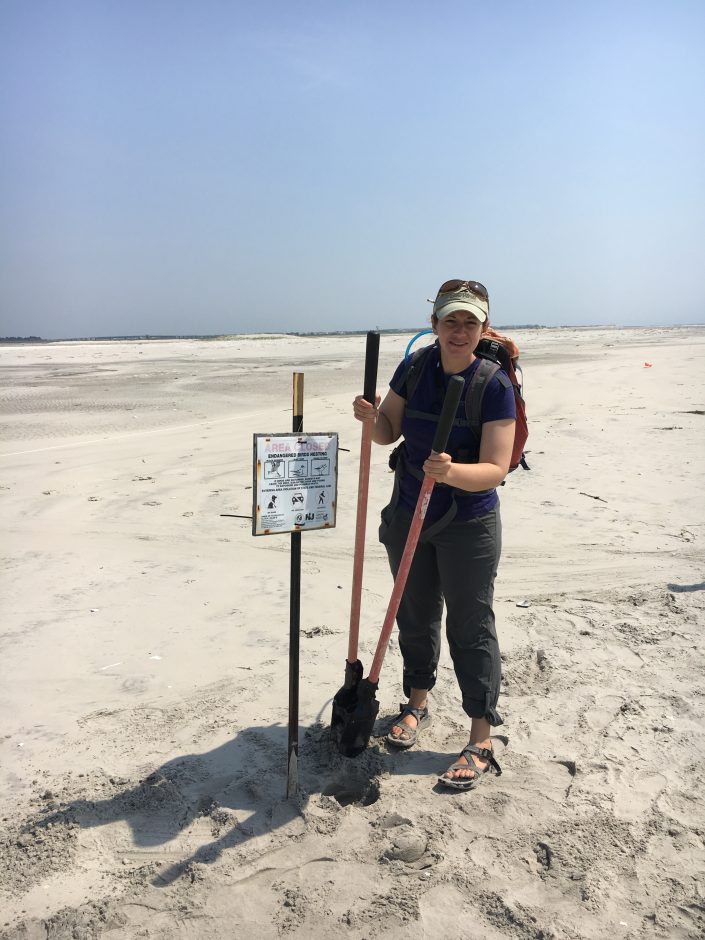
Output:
x=458 y=565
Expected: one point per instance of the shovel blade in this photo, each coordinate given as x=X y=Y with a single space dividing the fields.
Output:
x=354 y=714
x=345 y=699
x=346 y=696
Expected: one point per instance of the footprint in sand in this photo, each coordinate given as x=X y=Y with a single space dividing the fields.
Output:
x=548 y=779
x=602 y=712
x=135 y=684
x=638 y=790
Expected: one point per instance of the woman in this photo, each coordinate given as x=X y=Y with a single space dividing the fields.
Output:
x=456 y=559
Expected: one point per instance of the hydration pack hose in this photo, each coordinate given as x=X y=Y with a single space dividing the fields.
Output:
x=413 y=340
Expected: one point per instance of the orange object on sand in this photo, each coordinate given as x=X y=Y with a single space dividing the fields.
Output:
x=647 y=365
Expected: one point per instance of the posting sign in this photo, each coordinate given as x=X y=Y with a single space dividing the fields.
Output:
x=295 y=482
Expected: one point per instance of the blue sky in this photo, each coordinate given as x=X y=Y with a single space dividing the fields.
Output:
x=218 y=167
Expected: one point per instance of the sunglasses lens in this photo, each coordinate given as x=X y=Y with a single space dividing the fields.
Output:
x=478 y=289
x=456 y=284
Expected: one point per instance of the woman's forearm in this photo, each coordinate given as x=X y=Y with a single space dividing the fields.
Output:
x=382 y=430
x=384 y=418
x=475 y=477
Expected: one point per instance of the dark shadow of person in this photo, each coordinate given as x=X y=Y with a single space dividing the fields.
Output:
x=240 y=786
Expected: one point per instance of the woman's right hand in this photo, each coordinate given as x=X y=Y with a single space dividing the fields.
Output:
x=363 y=410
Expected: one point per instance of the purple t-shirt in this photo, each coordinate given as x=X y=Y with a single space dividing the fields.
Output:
x=497 y=403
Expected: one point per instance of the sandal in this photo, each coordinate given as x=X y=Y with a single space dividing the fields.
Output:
x=409 y=736
x=468 y=783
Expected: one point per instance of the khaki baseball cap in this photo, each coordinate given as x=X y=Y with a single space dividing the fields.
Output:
x=466 y=296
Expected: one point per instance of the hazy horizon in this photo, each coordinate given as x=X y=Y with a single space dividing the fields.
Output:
x=156 y=337
x=224 y=168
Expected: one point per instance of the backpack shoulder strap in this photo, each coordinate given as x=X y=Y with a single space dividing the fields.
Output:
x=409 y=378
x=481 y=378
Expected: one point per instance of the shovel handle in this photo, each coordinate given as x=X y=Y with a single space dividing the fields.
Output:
x=445 y=423
x=370 y=390
x=450 y=406
x=371 y=361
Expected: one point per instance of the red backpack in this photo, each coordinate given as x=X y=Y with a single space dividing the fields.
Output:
x=493 y=348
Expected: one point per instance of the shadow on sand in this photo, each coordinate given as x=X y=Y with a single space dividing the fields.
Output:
x=237 y=792
x=686 y=588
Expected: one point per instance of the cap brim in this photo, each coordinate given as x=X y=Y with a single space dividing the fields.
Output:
x=463 y=305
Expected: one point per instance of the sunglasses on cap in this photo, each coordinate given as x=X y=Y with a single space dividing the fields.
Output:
x=456 y=284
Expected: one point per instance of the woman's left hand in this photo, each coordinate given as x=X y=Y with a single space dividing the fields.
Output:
x=438 y=466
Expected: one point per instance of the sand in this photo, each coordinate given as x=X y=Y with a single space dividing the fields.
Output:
x=144 y=657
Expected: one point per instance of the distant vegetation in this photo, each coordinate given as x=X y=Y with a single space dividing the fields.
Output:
x=104 y=339
x=23 y=339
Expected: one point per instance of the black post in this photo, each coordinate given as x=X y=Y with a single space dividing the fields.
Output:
x=292 y=779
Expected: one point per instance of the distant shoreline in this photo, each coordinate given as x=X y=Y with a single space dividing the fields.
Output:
x=154 y=337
